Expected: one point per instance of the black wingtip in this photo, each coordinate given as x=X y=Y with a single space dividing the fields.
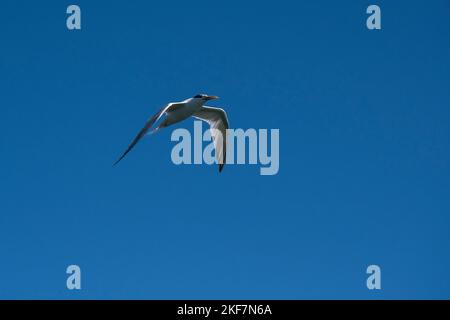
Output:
x=221 y=166
x=123 y=155
x=115 y=163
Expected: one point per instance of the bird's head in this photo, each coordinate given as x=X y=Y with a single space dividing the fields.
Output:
x=205 y=97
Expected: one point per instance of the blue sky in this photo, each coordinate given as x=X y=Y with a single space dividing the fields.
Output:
x=364 y=150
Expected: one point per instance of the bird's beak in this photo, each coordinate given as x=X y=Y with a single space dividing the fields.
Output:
x=212 y=97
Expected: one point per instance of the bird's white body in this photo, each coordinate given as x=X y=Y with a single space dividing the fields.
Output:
x=182 y=111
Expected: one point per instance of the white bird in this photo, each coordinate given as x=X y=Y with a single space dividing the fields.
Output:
x=179 y=111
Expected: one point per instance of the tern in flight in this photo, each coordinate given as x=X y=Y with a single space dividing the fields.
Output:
x=192 y=107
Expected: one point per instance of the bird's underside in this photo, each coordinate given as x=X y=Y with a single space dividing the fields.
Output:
x=179 y=111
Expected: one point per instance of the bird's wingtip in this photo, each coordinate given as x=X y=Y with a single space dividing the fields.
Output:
x=117 y=161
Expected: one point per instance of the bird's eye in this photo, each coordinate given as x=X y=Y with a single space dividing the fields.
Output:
x=198 y=96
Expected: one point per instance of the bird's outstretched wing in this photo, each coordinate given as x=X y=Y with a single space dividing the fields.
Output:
x=218 y=122
x=148 y=125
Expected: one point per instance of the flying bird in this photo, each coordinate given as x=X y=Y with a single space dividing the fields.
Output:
x=192 y=107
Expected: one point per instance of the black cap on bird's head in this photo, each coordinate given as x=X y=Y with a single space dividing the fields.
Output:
x=205 y=97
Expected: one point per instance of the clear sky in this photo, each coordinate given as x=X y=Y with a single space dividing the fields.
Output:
x=364 y=119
